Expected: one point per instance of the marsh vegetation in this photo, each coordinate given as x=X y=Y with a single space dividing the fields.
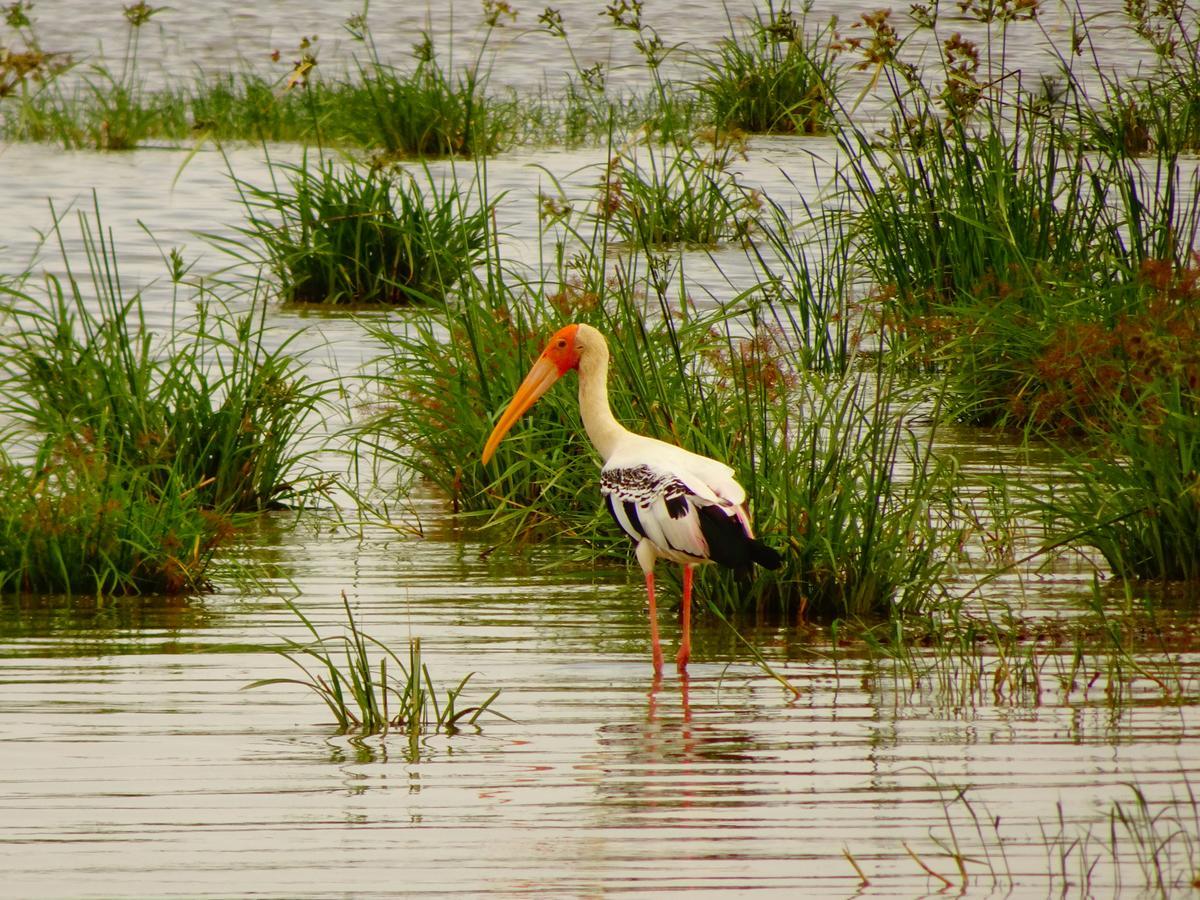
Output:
x=981 y=255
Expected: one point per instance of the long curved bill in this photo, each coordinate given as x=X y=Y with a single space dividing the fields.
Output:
x=539 y=380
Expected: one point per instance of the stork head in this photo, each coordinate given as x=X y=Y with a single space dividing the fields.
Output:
x=562 y=354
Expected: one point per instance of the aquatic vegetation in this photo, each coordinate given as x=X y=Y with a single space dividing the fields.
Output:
x=1150 y=843
x=973 y=226
x=348 y=233
x=75 y=521
x=102 y=111
x=364 y=696
x=426 y=112
x=22 y=68
x=962 y=653
x=209 y=407
x=650 y=197
x=806 y=279
x=1055 y=290
x=1157 y=111
x=994 y=234
x=1136 y=496
x=240 y=106
x=775 y=80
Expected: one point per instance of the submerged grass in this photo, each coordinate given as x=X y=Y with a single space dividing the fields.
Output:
x=1146 y=844
x=375 y=696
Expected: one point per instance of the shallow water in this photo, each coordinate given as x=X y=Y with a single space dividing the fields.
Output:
x=132 y=763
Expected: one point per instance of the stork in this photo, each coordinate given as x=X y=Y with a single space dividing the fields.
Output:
x=671 y=503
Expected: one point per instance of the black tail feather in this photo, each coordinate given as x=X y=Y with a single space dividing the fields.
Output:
x=767 y=557
x=730 y=546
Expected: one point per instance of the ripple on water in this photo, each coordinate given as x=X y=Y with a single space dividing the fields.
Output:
x=132 y=763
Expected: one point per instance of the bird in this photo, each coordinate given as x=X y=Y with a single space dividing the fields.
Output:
x=672 y=503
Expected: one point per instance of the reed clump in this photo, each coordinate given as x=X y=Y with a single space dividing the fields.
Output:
x=75 y=521
x=775 y=79
x=992 y=230
x=1136 y=492
x=212 y=408
x=676 y=195
x=429 y=111
x=100 y=110
x=1049 y=275
x=350 y=233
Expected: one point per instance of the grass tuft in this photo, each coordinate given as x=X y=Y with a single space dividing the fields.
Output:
x=675 y=195
x=211 y=406
x=773 y=80
x=369 y=696
x=354 y=234
x=76 y=522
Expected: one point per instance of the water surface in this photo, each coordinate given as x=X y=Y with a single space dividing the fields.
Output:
x=132 y=763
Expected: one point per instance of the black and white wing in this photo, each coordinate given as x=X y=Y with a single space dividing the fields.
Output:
x=688 y=507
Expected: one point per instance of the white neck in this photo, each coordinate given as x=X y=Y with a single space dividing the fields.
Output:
x=603 y=430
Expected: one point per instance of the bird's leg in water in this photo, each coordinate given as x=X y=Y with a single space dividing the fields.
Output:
x=654 y=647
x=685 y=646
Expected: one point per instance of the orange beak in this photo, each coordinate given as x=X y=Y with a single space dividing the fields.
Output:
x=539 y=380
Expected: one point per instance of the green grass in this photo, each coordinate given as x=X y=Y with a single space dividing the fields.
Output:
x=1136 y=492
x=1157 y=111
x=210 y=406
x=103 y=111
x=74 y=521
x=348 y=233
x=427 y=111
x=774 y=79
x=652 y=196
x=370 y=689
x=241 y=106
x=1050 y=277
x=987 y=226
x=803 y=276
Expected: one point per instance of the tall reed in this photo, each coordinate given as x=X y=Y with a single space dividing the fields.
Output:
x=775 y=79
x=988 y=225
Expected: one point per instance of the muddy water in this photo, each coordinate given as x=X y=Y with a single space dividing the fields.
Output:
x=132 y=763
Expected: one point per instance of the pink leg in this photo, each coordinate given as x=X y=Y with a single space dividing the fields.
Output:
x=685 y=646
x=655 y=649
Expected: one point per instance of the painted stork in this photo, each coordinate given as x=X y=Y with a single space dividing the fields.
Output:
x=672 y=503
